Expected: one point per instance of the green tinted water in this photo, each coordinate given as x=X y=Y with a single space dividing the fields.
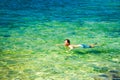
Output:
x=30 y=53
x=30 y=31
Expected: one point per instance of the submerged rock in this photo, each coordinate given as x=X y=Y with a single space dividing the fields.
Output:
x=111 y=75
x=115 y=74
x=100 y=69
x=101 y=77
x=6 y=35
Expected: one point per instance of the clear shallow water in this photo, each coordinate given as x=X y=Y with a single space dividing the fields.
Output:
x=30 y=31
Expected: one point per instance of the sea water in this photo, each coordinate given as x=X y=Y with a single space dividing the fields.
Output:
x=31 y=29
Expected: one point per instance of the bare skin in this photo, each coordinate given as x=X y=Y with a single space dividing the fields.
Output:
x=67 y=44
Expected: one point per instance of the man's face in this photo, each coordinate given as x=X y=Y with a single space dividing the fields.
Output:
x=66 y=43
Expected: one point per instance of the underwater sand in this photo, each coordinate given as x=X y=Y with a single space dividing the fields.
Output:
x=28 y=39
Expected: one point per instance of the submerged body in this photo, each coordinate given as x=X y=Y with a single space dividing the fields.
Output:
x=67 y=44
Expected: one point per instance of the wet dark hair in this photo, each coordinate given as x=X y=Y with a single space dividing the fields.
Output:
x=67 y=40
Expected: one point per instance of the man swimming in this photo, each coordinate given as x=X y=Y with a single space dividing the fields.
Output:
x=67 y=44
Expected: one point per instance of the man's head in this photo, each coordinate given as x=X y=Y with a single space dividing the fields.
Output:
x=67 y=42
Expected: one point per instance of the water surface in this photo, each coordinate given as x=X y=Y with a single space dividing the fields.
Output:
x=30 y=30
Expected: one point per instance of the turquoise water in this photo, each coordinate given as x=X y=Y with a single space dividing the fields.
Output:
x=30 y=30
